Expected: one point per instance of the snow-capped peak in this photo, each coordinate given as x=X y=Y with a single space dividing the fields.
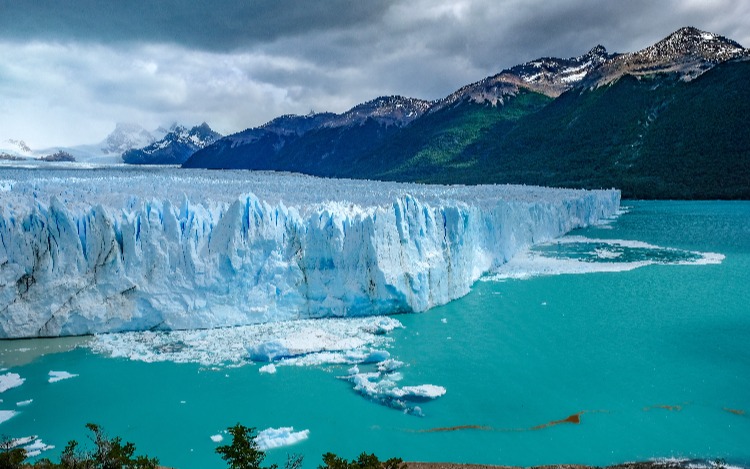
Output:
x=175 y=147
x=126 y=136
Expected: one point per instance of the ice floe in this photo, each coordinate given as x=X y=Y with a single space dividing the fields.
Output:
x=10 y=380
x=55 y=376
x=269 y=369
x=24 y=403
x=278 y=437
x=33 y=445
x=382 y=387
x=6 y=415
x=302 y=342
x=581 y=255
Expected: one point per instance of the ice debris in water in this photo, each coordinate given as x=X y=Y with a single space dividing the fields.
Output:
x=10 y=380
x=6 y=415
x=55 y=376
x=580 y=255
x=382 y=386
x=269 y=369
x=302 y=342
x=277 y=437
x=32 y=444
x=162 y=249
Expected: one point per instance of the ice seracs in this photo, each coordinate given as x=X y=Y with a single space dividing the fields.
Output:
x=83 y=253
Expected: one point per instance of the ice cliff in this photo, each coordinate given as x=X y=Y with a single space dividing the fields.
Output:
x=87 y=251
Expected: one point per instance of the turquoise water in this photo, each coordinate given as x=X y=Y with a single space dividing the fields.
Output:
x=654 y=362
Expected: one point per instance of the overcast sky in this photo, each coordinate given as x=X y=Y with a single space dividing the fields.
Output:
x=71 y=69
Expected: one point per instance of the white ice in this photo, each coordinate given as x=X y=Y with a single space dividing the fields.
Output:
x=163 y=249
x=218 y=438
x=55 y=376
x=609 y=258
x=24 y=403
x=277 y=437
x=6 y=415
x=305 y=342
x=10 y=380
x=269 y=369
x=36 y=448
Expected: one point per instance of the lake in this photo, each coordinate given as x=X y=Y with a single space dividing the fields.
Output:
x=622 y=342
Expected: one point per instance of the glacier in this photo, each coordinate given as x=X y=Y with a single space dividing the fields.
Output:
x=86 y=251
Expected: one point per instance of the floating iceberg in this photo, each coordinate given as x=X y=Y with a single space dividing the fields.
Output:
x=92 y=251
x=55 y=376
x=277 y=437
x=10 y=380
x=6 y=415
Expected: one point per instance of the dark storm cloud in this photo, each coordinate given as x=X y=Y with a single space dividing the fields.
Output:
x=71 y=69
x=208 y=25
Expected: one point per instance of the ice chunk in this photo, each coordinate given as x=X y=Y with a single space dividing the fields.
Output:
x=277 y=437
x=268 y=352
x=6 y=415
x=24 y=403
x=382 y=388
x=55 y=376
x=158 y=249
x=218 y=438
x=10 y=380
x=36 y=448
x=270 y=369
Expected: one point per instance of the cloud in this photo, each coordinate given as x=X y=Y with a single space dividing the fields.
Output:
x=71 y=69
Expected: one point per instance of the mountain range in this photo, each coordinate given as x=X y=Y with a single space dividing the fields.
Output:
x=127 y=143
x=175 y=147
x=668 y=121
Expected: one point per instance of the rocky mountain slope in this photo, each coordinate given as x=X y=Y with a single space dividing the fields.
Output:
x=665 y=121
x=297 y=142
x=175 y=148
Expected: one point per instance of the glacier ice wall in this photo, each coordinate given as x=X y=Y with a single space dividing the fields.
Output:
x=111 y=250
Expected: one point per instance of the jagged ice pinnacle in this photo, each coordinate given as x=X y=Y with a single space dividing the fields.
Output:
x=112 y=250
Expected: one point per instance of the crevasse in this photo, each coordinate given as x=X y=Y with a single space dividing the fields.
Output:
x=80 y=260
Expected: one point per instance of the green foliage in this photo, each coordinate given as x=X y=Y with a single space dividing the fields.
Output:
x=107 y=454
x=243 y=452
x=11 y=458
x=363 y=461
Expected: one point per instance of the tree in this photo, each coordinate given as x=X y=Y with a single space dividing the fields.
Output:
x=363 y=461
x=11 y=457
x=107 y=454
x=243 y=452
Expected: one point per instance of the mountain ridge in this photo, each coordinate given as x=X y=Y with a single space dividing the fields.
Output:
x=175 y=147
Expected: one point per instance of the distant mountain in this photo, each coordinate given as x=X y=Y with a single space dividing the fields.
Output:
x=688 y=52
x=13 y=148
x=175 y=147
x=125 y=137
x=310 y=143
x=668 y=121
